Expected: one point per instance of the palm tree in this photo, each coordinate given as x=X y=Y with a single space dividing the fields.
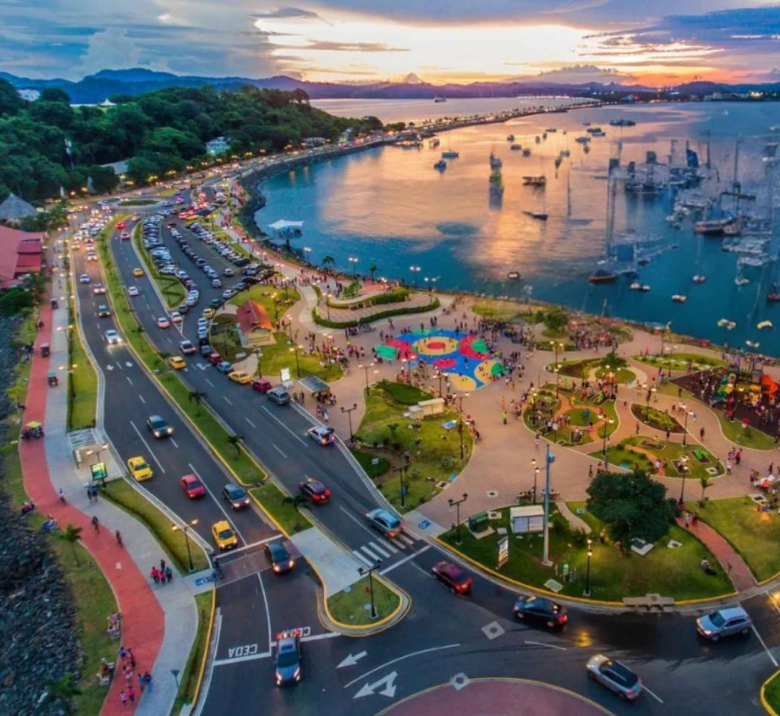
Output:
x=296 y=501
x=197 y=397
x=706 y=483
x=60 y=692
x=72 y=535
x=372 y=269
x=235 y=441
x=328 y=260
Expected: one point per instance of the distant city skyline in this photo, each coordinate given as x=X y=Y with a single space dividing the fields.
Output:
x=658 y=43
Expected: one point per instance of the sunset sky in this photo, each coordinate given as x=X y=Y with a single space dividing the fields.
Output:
x=658 y=42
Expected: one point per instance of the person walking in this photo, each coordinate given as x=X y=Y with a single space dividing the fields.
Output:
x=118 y=536
x=96 y=523
x=131 y=693
x=728 y=465
x=168 y=574
x=89 y=494
x=148 y=681
x=156 y=575
x=701 y=434
x=123 y=698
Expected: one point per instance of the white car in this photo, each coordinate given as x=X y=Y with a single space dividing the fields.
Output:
x=84 y=278
x=112 y=337
x=132 y=291
x=91 y=257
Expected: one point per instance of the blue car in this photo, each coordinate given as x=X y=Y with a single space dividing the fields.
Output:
x=225 y=366
x=288 y=658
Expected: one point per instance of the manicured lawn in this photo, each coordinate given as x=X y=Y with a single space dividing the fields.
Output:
x=403 y=393
x=622 y=375
x=681 y=361
x=656 y=418
x=502 y=311
x=614 y=575
x=349 y=605
x=172 y=541
x=225 y=339
x=275 y=300
x=772 y=692
x=366 y=460
x=137 y=202
x=757 y=540
x=189 y=677
x=82 y=403
x=625 y=455
x=434 y=450
x=603 y=366
x=289 y=517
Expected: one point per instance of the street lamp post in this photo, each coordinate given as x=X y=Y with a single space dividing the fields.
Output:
x=536 y=475
x=684 y=461
x=348 y=411
x=294 y=349
x=307 y=253
x=415 y=270
x=460 y=424
x=401 y=475
x=549 y=459
x=586 y=593
x=353 y=260
x=685 y=426
x=607 y=423
x=366 y=368
x=185 y=528
x=369 y=571
x=456 y=504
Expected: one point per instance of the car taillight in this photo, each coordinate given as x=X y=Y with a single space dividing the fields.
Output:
x=327 y=493
x=562 y=618
x=316 y=498
x=391 y=533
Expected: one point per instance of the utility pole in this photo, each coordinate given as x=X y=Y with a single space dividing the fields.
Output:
x=549 y=459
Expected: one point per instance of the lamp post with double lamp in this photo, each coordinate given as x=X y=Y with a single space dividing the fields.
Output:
x=685 y=425
x=607 y=423
x=401 y=475
x=549 y=460
x=415 y=270
x=366 y=368
x=649 y=395
x=353 y=260
x=536 y=475
x=456 y=504
x=348 y=411
x=96 y=451
x=363 y=571
x=295 y=350
x=684 y=471
x=185 y=528
x=460 y=423
x=586 y=593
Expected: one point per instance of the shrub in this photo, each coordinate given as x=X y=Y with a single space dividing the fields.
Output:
x=320 y=321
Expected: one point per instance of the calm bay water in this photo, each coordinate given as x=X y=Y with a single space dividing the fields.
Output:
x=388 y=207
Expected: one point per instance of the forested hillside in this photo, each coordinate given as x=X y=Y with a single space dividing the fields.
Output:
x=160 y=132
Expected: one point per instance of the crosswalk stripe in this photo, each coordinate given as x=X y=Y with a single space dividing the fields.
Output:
x=409 y=541
x=381 y=551
x=363 y=559
x=373 y=556
x=386 y=544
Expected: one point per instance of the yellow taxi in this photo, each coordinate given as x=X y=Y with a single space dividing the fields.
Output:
x=139 y=469
x=224 y=536
x=208 y=313
x=239 y=376
x=177 y=362
x=138 y=272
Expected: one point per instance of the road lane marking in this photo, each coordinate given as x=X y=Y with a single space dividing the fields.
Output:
x=159 y=464
x=218 y=503
x=362 y=558
x=141 y=398
x=549 y=646
x=239 y=659
x=267 y=610
x=175 y=444
x=387 y=545
x=254 y=426
x=766 y=649
x=400 y=658
x=128 y=379
x=280 y=450
x=209 y=382
x=119 y=365
x=381 y=551
x=227 y=400
x=652 y=694
x=409 y=541
x=405 y=560
x=292 y=432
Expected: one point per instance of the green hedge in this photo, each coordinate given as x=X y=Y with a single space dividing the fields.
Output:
x=319 y=320
x=397 y=295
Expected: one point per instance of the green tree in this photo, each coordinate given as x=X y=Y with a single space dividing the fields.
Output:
x=139 y=170
x=706 y=483
x=104 y=179
x=235 y=441
x=10 y=101
x=54 y=94
x=197 y=397
x=631 y=506
x=372 y=270
x=72 y=535
x=328 y=260
x=60 y=693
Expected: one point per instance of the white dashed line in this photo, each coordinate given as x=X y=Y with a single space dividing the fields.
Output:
x=280 y=450
x=250 y=422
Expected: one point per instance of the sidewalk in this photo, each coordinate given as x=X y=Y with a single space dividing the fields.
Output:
x=159 y=625
x=730 y=561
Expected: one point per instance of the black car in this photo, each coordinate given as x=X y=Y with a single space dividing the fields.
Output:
x=542 y=611
x=236 y=496
x=184 y=308
x=315 y=491
x=215 y=302
x=279 y=557
x=158 y=427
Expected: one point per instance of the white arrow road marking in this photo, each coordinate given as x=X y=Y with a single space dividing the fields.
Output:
x=400 y=658
x=129 y=364
x=352 y=659
x=109 y=367
x=370 y=689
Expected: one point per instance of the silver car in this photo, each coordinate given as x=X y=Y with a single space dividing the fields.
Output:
x=615 y=676
x=724 y=622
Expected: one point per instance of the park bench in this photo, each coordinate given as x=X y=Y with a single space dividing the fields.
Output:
x=649 y=602
x=478 y=523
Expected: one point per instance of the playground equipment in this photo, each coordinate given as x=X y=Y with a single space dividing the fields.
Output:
x=768 y=385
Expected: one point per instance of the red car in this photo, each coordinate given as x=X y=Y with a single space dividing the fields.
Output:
x=315 y=491
x=121 y=225
x=261 y=385
x=453 y=576
x=192 y=486
x=215 y=358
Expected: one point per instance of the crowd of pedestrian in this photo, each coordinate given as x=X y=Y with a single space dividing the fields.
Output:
x=163 y=574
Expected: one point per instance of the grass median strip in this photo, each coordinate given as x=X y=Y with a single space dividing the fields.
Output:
x=190 y=677
x=170 y=287
x=771 y=691
x=352 y=605
x=282 y=508
x=172 y=541
x=244 y=467
x=82 y=386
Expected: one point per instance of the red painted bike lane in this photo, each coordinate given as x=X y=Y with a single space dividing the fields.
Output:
x=143 y=622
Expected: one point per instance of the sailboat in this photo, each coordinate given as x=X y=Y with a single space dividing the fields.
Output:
x=496 y=183
x=449 y=154
x=495 y=162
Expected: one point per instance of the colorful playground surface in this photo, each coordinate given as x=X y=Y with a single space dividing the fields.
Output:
x=465 y=359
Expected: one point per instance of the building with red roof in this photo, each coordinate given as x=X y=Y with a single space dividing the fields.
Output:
x=255 y=325
x=21 y=252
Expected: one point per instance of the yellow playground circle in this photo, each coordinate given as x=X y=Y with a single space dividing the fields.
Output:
x=435 y=346
x=462 y=382
x=486 y=370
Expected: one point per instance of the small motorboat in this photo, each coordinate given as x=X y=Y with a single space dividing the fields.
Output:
x=441 y=165
x=602 y=276
x=752 y=344
x=727 y=324
x=679 y=298
x=526 y=152
x=513 y=275
x=699 y=278
x=764 y=325
x=539 y=215
x=773 y=297
x=636 y=286
x=510 y=138
x=515 y=147
x=741 y=281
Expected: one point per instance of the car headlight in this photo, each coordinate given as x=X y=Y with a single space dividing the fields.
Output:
x=297 y=674
x=170 y=430
x=291 y=564
x=276 y=568
x=278 y=678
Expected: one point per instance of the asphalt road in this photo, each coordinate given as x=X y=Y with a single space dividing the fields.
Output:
x=444 y=637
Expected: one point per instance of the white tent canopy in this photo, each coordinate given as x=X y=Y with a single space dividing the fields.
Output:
x=287 y=227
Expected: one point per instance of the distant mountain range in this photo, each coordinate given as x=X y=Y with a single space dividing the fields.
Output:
x=93 y=89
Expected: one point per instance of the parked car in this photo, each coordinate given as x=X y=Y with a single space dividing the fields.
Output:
x=279 y=396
